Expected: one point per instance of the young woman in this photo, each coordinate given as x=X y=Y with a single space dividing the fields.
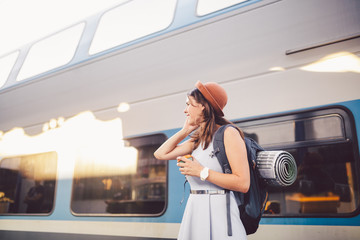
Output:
x=205 y=213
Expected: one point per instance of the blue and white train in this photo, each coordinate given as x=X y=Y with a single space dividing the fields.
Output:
x=82 y=111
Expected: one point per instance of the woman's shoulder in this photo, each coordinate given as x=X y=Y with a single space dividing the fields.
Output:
x=232 y=133
x=231 y=129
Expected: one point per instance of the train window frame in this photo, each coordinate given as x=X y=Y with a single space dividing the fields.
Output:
x=38 y=53
x=139 y=141
x=54 y=189
x=350 y=137
x=102 y=41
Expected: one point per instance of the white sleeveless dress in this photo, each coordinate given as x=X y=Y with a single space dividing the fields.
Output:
x=205 y=215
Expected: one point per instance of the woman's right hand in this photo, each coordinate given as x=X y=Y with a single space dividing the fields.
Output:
x=189 y=126
x=172 y=147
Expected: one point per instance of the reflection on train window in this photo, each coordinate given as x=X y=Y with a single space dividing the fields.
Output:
x=325 y=151
x=139 y=191
x=27 y=184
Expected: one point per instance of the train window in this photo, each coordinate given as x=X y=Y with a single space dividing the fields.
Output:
x=209 y=6
x=324 y=145
x=130 y=21
x=141 y=191
x=27 y=184
x=6 y=65
x=49 y=53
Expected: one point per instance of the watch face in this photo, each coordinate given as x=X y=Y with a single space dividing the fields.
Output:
x=204 y=174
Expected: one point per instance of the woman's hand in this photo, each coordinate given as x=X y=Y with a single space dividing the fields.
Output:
x=189 y=167
x=189 y=126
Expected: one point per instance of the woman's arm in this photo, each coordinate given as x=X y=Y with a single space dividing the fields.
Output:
x=235 y=150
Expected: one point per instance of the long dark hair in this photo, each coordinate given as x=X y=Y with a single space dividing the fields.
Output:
x=204 y=135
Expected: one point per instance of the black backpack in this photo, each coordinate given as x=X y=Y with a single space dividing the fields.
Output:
x=251 y=204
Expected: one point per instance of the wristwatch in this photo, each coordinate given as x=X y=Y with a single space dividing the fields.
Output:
x=204 y=174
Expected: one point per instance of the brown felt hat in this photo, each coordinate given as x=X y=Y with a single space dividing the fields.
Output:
x=214 y=94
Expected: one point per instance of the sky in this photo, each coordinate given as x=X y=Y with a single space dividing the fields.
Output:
x=24 y=21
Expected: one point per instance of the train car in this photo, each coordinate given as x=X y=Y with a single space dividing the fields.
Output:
x=83 y=110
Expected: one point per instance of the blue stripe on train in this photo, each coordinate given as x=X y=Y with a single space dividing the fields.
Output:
x=174 y=211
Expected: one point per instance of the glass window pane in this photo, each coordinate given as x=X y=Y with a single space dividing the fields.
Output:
x=272 y=133
x=326 y=127
x=208 y=6
x=131 y=21
x=6 y=65
x=140 y=189
x=52 y=52
x=329 y=127
x=27 y=183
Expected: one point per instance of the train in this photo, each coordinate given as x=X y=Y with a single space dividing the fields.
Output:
x=83 y=109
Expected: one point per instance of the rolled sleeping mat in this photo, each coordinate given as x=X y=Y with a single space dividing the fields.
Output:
x=276 y=168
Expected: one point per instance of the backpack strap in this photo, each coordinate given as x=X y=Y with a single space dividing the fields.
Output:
x=228 y=216
x=219 y=151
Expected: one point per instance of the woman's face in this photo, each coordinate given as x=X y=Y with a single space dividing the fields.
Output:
x=194 y=111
